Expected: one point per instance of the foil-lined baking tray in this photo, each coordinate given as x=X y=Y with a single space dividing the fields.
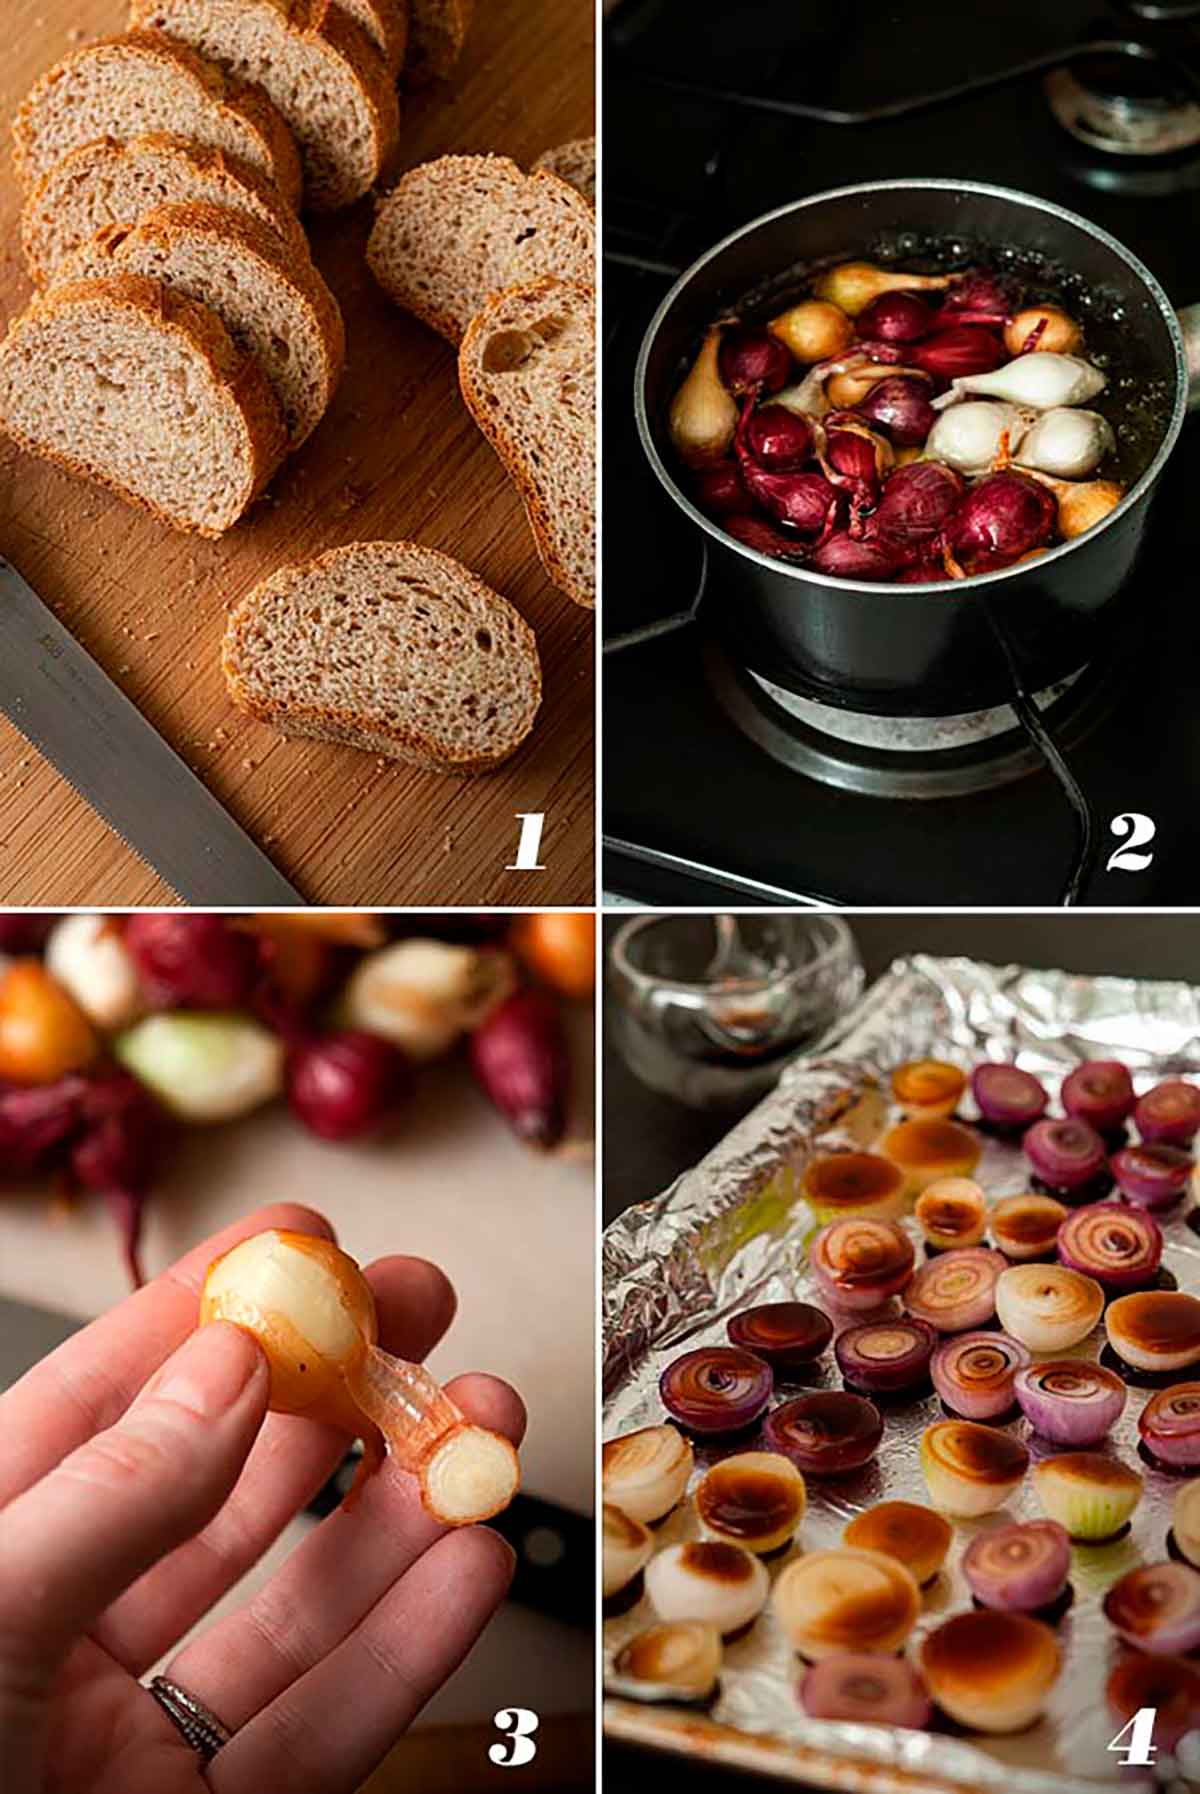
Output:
x=733 y=1231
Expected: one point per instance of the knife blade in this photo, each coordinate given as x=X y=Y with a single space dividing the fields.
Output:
x=67 y=707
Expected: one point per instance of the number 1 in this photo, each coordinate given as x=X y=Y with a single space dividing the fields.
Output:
x=532 y=823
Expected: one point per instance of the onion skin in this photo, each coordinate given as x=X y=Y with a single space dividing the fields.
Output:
x=777 y=438
x=1171 y=1685
x=764 y=538
x=927 y=1089
x=1120 y=1247
x=827 y=1433
x=1156 y=1608
x=957 y=1291
x=858 y=1262
x=1070 y=1400
x=919 y=1537
x=1047 y=1307
x=971 y=1469
x=851 y=286
x=883 y=1357
x=1089 y=1493
x=1051 y=329
x=1169 y=1114
x=1067 y=1155
x=974 y=1372
x=721 y=492
x=1026 y=1227
x=1000 y=519
x=1169 y=1425
x=866 y=1687
x=849 y=557
x=896 y=317
x=786 y=1335
x=1151 y=1176
x=916 y=503
x=716 y=1389
x=1019 y=1568
x=1007 y=1096
x=991 y=1671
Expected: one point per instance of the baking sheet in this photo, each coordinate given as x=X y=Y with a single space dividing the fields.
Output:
x=733 y=1231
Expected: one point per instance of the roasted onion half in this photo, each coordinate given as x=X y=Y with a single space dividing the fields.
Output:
x=973 y=1373
x=1020 y=1568
x=928 y=1088
x=1026 y=1227
x=846 y=1599
x=1047 y=1307
x=1089 y=1493
x=991 y=1671
x=1121 y=1247
x=1185 y=1522
x=755 y=1499
x=708 y=1580
x=827 y=1433
x=1155 y=1330
x=1156 y=1608
x=917 y=1536
x=1070 y=1400
x=716 y=1389
x=863 y=1686
x=786 y=1335
x=951 y=1211
x=971 y=1469
x=628 y=1548
x=885 y=1357
x=677 y=1661
x=927 y=1150
x=645 y=1473
x=1169 y=1425
x=957 y=1290
x=858 y=1263
x=852 y=1183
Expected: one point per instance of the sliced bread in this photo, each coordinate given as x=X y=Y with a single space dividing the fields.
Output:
x=274 y=306
x=133 y=386
x=573 y=162
x=108 y=182
x=389 y=647
x=527 y=369
x=453 y=232
x=437 y=30
x=130 y=86
x=385 y=22
x=321 y=70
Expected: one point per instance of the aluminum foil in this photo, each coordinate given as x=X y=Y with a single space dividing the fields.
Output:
x=733 y=1231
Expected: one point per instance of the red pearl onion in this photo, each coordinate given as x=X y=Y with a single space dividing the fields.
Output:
x=993 y=296
x=1070 y=1400
x=902 y=407
x=716 y=1389
x=896 y=318
x=775 y=437
x=958 y=352
x=1120 y=1246
x=851 y=558
x=1156 y=1608
x=1169 y=1114
x=757 y=533
x=859 y=1262
x=825 y=1434
x=885 y=1356
x=916 y=502
x=1067 y=1155
x=807 y=502
x=973 y=1373
x=720 y=490
x=1007 y=1096
x=1099 y=1092
x=1001 y=518
x=1169 y=1425
x=1152 y=1177
x=957 y=1290
x=754 y=361
x=866 y=1687
x=1019 y=1568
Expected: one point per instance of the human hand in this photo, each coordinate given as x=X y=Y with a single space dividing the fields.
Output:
x=140 y=1477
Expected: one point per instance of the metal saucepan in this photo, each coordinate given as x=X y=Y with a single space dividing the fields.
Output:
x=931 y=650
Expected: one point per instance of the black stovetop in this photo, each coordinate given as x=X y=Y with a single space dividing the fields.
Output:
x=706 y=127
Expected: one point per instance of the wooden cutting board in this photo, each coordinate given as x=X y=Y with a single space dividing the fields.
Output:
x=396 y=457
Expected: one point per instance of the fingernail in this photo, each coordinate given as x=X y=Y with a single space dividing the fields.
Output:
x=210 y=1371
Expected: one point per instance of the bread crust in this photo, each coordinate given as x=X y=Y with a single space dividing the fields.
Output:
x=547 y=288
x=212 y=164
x=433 y=56
x=579 y=158
x=250 y=104
x=237 y=378
x=329 y=722
x=323 y=25
x=385 y=23
x=166 y=224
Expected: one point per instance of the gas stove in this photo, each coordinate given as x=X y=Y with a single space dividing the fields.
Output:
x=717 y=782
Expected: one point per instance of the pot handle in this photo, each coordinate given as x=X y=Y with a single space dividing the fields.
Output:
x=1189 y=324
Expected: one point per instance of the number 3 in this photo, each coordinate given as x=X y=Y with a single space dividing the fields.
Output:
x=518 y=1724
x=1141 y=831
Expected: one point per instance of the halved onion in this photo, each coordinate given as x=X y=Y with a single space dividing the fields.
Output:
x=785 y=1335
x=1020 y=1568
x=1120 y=1246
x=1169 y=1425
x=1070 y=1400
x=928 y=1088
x=645 y=1473
x=1185 y=1522
x=708 y=1580
x=952 y=1211
x=1169 y=1113
x=883 y=1357
x=1047 y=1307
x=926 y=1150
x=1169 y=1685
x=1153 y=1176
x=918 y=1536
x=1008 y=1098
x=628 y=1548
x=1066 y=1155
x=852 y=1183
x=678 y=1661
x=1026 y=1227
x=971 y=1469
x=754 y=1498
x=957 y=1290
x=1155 y=1329
x=826 y=1433
x=973 y=1373
x=845 y=1599
x=863 y=1686
x=858 y=1263
x=716 y=1389
x=1089 y=1493
x=991 y=1671
x=1100 y=1092
x=1156 y=1608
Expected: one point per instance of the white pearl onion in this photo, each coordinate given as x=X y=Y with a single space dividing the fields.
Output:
x=1042 y=380
x=1067 y=443
x=968 y=436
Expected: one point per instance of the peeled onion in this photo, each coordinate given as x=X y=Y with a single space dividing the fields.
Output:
x=786 y=1335
x=1100 y=1092
x=845 y=1599
x=716 y=1389
x=1169 y=1425
x=1026 y=1227
x=951 y=1212
x=708 y=1580
x=991 y=1671
x=1042 y=380
x=928 y=1088
x=628 y=1548
x=1156 y=1608
x=827 y=1433
x=972 y=436
x=1007 y=1097
x=859 y=1262
x=1019 y=1568
x=957 y=1290
x=677 y=1662
x=1047 y=1307
x=1152 y=1177
x=645 y=1473
x=884 y=1357
x=1155 y=1329
x=755 y=1499
x=1169 y=1114
x=866 y=1687
x=971 y=1469
x=1070 y=1400
x=852 y=1183
x=1089 y=1493
x=1067 y=1155
x=918 y=1536
x=1067 y=442
x=973 y=1373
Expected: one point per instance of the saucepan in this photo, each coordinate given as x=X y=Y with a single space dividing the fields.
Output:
x=932 y=650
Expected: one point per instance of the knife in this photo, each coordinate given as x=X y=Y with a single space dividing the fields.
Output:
x=68 y=708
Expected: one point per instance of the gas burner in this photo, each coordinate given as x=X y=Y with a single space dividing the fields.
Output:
x=914 y=757
x=1127 y=105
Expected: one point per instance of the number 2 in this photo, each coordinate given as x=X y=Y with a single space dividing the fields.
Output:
x=518 y=1724
x=1141 y=831
x=1139 y=1750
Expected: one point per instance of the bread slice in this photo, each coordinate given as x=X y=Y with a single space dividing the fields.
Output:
x=527 y=369
x=389 y=647
x=385 y=22
x=108 y=182
x=573 y=162
x=437 y=30
x=130 y=86
x=274 y=306
x=453 y=232
x=131 y=385
x=323 y=73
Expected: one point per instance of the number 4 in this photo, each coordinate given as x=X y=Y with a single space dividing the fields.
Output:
x=1138 y=1747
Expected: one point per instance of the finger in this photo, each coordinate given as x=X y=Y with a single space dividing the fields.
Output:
x=89 y=1382
x=292 y=1458
x=377 y=1681
x=331 y=1581
x=131 y=1494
